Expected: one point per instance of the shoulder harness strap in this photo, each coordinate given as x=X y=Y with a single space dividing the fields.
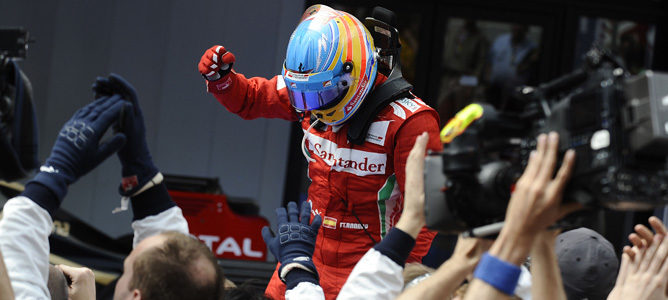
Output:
x=395 y=87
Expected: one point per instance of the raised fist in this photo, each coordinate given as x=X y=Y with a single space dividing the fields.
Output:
x=215 y=63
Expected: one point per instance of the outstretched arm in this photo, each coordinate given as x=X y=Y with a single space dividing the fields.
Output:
x=252 y=98
x=26 y=222
x=153 y=209
x=378 y=275
x=449 y=276
x=546 y=280
x=422 y=121
x=534 y=205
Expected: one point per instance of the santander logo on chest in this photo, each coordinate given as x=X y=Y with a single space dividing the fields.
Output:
x=358 y=162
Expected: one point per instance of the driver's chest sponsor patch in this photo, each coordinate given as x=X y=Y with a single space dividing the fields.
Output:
x=377 y=132
x=358 y=162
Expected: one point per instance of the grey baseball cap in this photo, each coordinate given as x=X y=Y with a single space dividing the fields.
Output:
x=588 y=264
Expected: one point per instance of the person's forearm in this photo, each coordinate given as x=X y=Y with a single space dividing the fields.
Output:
x=255 y=97
x=408 y=224
x=546 y=278
x=511 y=247
x=443 y=282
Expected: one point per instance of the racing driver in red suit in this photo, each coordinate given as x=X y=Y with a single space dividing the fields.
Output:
x=357 y=184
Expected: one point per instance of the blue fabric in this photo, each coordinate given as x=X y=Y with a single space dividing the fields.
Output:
x=397 y=245
x=295 y=241
x=78 y=150
x=497 y=273
x=296 y=276
x=41 y=195
x=151 y=202
x=137 y=164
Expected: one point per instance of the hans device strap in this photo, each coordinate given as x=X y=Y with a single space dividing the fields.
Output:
x=395 y=87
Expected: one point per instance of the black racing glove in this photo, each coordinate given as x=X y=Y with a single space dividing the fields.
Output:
x=295 y=243
x=138 y=168
x=77 y=150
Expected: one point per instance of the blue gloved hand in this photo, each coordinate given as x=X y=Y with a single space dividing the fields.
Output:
x=78 y=150
x=137 y=164
x=295 y=242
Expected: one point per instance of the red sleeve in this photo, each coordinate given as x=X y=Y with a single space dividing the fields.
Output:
x=253 y=98
x=404 y=141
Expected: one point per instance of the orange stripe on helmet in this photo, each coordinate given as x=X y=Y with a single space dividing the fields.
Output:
x=361 y=48
x=349 y=54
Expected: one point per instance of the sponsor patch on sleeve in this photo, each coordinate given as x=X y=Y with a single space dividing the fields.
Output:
x=377 y=132
x=398 y=111
x=420 y=101
x=409 y=104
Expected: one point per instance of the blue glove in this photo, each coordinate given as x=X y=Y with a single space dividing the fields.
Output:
x=137 y=164
x=295 y=242
x=78 y=150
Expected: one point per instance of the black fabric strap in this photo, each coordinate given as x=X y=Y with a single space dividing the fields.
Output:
x=296 y=276
x=151 y=202
x=395 y=87
x=43 y=196
x=397 y=245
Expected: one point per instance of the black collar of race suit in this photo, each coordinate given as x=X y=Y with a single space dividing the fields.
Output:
x=395 y=87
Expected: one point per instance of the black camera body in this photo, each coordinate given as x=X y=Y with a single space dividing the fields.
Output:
x=617 y=125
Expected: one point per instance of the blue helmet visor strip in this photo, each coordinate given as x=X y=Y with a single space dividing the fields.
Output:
x=311 y=100
x=315 y=91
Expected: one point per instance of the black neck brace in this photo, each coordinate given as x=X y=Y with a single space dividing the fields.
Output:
x=395 y=87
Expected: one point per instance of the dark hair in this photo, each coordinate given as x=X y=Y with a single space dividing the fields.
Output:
x=246 y=291
x=173 y=270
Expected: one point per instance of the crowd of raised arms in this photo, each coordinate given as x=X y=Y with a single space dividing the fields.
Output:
x=381 y=258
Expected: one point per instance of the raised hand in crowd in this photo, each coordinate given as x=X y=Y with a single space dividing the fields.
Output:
x=78 y=149
x=26 y=222
x=642 y=274
x=534 y=205
x=137 y=164
x=645 y=276
x=412 y=218
x=643 y=236
x=468 y=251
x=294 y=244
x=83 y=282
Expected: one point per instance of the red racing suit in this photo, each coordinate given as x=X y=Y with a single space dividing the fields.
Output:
x=357 y=189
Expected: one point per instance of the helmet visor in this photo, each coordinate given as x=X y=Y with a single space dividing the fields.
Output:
x=311 y=100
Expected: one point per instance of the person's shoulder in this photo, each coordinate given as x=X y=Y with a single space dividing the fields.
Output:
x=404 y=108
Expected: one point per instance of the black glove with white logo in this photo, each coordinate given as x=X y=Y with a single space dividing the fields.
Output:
x=78 y=149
